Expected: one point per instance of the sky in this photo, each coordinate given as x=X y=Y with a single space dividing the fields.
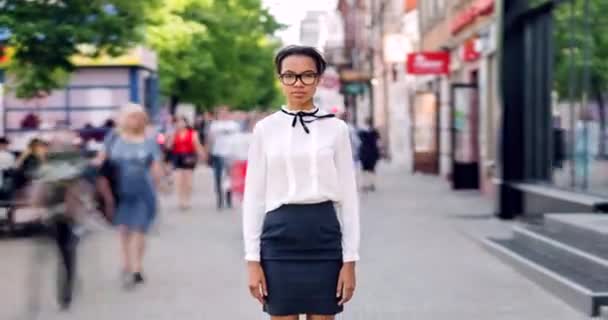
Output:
x=291 y=12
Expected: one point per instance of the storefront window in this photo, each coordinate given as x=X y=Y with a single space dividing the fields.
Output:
x=580 y=149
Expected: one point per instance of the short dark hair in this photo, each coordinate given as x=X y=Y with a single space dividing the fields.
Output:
x=307 y=51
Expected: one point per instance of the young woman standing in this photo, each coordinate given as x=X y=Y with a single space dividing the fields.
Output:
x=301 y=209
x=185 y=148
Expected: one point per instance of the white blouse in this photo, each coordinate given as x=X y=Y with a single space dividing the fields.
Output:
x=287 y=165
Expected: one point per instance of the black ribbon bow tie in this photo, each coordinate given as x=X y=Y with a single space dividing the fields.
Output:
x=300 y=116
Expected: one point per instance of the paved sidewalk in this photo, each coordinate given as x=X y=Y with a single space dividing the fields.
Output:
x=418 y=262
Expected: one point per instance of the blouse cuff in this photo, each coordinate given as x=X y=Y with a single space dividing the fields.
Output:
x=252 y=257
x=350 y=257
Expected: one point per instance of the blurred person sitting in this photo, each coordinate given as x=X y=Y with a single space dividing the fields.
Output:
x=7 y=158
x=7 y=162
x=30 y=121
x=30 y=161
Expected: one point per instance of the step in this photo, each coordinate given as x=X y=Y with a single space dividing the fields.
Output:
x=582 y=242
x=557 y=273
x=590 y=226
x=571 y=249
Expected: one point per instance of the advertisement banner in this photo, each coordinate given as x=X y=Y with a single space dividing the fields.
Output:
x=428 y=63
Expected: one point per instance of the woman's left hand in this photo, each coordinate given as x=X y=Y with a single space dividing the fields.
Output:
x=346 y=283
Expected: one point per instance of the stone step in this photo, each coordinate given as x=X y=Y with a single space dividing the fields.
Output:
x=585 y=243
x=540 y=239
x=578 y=227
x=556 y=270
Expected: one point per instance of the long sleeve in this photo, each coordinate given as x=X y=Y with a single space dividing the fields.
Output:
x=254 y=198
x=349 y=199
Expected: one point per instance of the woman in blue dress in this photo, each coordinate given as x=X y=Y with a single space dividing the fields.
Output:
x=136 y=159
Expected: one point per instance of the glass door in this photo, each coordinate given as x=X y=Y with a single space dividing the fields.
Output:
x=425 y=133
x=465 y=136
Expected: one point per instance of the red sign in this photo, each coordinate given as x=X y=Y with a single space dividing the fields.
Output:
x=468 y=15
x=470 y=51
x=410 y=5
x=428 y=63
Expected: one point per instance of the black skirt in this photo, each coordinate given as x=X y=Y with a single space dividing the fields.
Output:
x=301 y=255
x=184 y=160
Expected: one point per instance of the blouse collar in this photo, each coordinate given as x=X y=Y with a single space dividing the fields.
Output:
x=298 y=116
x=305 y=112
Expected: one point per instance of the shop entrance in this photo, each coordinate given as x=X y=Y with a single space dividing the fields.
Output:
x=425 y=132
x=465 y=135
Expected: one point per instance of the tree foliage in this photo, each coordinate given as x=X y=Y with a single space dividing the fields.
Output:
x=215 y=52
x=581 y=70
x=571 y=38
x=46 y=33
x=210 y=51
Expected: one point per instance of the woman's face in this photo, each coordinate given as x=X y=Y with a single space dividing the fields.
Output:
x=40 y=149
x=299 y=79
x=181 y=124
x=136 y=121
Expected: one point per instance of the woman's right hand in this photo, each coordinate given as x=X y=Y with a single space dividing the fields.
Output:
x=257 y=281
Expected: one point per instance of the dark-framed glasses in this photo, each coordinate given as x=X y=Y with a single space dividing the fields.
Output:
x=307 y=78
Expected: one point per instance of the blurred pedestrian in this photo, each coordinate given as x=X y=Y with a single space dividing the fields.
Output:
x=220 y=131
x=30 y=121
x=369 y=154
x=166 y=131
x=301 y=250
x=137 y=159
x=7 y=163
x=7 y=158
x=29 y=161
x=237 y=157
x=186 y=149
x=355 y=140
x=200 y=125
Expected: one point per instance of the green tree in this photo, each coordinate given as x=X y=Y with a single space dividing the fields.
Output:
x=45 y=34
x=574 y=30
x=215 y=52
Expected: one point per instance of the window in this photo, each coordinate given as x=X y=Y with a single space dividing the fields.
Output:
x=580 y=106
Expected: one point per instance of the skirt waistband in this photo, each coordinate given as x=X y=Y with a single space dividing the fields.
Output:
x=302 y=232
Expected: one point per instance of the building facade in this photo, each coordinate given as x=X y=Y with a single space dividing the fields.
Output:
x=357 y=68
x=466 y=98
x=378 y=35
x=96 y=90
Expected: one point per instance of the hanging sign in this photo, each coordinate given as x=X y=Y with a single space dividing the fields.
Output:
x=425 y=63
x=467 y=16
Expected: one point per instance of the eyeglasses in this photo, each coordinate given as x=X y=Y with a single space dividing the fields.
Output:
x=308 y=78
